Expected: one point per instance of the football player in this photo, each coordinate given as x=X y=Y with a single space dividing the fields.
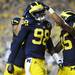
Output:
x=60 y=21
x=16 y=68
x=36 y=32
x=67 y=43
x=68 y=40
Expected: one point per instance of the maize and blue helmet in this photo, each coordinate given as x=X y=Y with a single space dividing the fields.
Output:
x=69 y=17
x=36 y=10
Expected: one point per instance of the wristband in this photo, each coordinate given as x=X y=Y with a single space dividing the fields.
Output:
x=51 y=11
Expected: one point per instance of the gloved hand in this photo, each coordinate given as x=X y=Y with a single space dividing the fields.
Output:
x=58 y=60
x=60 y=63
x=46 y=7
x=10 y=68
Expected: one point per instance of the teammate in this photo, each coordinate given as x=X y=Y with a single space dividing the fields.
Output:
x=68 y=41
x=68 y=45
x=36 y=32
x=16 y=68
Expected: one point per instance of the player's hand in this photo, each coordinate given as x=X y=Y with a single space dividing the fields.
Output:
x=46 y=7
x=60 y=64
x=10 y=68
x=58 y=60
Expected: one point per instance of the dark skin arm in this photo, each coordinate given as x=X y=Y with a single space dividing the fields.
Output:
x=62 y=23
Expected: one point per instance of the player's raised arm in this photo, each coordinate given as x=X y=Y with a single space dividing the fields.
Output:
x=56 y=17
x=18 y=41
x=61 y=22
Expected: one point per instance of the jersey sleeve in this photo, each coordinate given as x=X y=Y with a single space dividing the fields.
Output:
x=17 y=42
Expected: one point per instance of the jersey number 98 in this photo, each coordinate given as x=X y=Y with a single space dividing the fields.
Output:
x=41 y=35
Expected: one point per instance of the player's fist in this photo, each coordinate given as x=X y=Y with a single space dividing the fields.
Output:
x=10 y=68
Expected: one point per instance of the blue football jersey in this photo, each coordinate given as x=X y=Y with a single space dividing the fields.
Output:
x=68 y=43
x=36 y=35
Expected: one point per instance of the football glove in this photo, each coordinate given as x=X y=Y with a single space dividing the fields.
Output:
x=15 y=21
x=58 y=60
x=10 y=69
